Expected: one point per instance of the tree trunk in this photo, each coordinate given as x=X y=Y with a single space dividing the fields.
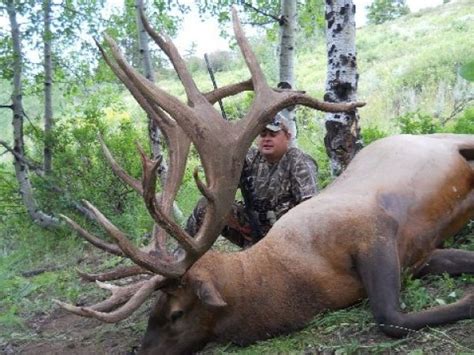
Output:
x=21 y=169
x=145 y=57
x=288 y=21
x=48 y=84
x=342 y=138
x=154 y=132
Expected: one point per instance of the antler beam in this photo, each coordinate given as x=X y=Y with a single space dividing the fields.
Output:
x=222 y=146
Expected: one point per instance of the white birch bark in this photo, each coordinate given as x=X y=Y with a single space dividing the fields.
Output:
x=154 y=132
x=342 y=138
x=287 y=56
x=21 y=169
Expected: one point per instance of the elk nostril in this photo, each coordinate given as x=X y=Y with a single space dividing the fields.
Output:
x=176 y=315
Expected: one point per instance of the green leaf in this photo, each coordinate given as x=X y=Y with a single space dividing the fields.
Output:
x=467 y=71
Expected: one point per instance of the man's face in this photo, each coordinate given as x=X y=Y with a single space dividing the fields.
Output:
x=273 y=145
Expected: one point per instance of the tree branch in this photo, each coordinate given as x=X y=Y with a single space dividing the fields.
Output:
x=32 y=165
x=259 y=24
x=250 y=6
x=458 y=107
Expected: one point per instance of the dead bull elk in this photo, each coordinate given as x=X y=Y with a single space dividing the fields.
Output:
x=391 y=209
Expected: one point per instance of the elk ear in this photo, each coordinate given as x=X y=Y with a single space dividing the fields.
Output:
x=208 y=294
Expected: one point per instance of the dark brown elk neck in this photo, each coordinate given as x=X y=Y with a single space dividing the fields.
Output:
x=266 y=280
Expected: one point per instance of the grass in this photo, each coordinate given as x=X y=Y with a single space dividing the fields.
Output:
x=25 y=302
x=405 y=65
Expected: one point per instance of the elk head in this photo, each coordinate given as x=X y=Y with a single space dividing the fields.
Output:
x=183 y=317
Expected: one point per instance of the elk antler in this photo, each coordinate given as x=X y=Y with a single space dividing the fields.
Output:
x=222 y=146
x=131 y=297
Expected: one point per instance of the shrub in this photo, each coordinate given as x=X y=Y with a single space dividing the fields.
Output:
x=463 y=124
x=372 y=133
x=418 y=123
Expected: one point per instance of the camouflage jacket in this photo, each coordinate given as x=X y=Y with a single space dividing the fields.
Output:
x=279 y=186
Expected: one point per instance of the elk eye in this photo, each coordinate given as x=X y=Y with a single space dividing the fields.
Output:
x=176 y=315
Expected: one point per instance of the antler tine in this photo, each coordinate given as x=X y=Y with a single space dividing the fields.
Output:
x=118 y=170
x=178 y=143
x=141 y=258
x=167 y=46
x=184 y=115
x=173 y=229
x=164 y=122
x=99 y=243
x=159 y=216
x=134 y=295
x=202 y=187
x=300 y=98
x=118 y=273
x=274 y=101
x=228 y=90
x=258 y=78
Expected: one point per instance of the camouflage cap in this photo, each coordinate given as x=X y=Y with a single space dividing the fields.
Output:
x=278 y=123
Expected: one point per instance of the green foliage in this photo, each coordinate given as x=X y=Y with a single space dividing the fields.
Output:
x=195 y=64
x=423 y=123
x=311 y=17
x=22 y=297
x=222 y=60
x=381 y=11
x=405 y=65
x=188 y=194
x=371 y=134
x=10 y=203
x=418 y=293
x=264 y=13
x=310 y=138
x=164 y=16
x=238 y=106
x=464 y=123
x=418 y=123
x=467 y=71
x=6 y=58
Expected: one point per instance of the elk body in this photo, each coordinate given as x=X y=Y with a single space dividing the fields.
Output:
x=391 y=209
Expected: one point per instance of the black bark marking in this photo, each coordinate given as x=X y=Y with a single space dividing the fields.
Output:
x=330 y=23
x=344 y=59
x=341 y=90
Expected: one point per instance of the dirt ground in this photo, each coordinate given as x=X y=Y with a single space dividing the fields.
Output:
x=64 y=333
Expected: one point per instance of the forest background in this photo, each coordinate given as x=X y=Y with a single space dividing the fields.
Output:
x=409 y=76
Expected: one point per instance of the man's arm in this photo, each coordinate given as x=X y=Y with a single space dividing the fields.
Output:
x=304 y=182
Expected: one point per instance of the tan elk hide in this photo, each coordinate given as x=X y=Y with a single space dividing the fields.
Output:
x=390 y=210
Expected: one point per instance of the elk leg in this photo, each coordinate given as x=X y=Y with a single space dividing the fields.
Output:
x=452 y=261
x=379 y=270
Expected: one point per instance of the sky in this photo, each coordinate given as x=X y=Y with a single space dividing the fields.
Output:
x=206 y=33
